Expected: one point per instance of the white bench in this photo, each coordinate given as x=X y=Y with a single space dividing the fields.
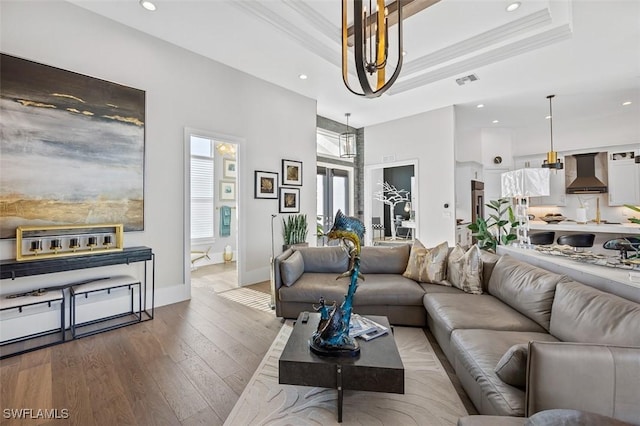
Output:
x=105 y=285
x=33 y=298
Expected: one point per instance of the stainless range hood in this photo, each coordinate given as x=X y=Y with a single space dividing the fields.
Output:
x=586 y=173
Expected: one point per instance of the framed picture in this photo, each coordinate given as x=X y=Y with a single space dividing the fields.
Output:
x=289 y=200
x=227 y=191
x=266 y=184
x=71 y=144
x=229 y=168
x=292 y=172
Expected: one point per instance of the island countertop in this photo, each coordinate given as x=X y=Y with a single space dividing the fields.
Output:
x=568 y=226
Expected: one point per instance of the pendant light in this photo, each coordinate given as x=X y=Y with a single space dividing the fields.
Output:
x=347 y=142
x=370 y=32
x=552 y=161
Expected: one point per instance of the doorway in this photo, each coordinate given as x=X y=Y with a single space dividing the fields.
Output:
x=334 y=192
x=211 y=207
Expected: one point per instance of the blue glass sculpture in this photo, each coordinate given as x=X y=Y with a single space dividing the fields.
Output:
x=332 y=336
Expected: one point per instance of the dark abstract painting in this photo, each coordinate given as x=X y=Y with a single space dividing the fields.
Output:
x=71 y=148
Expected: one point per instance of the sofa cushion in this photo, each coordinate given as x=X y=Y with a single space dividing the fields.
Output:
x=332 y=259
x=466 y=311
x=524 y=287
x=388 y=289
x=292 y=268
x=489 y=261
x=464 y=269
x=428 y=264
x=311 y=286
x=584 y=314
x=384 y=260
x=439 y=288
x=512 y=367
x=477 y=352
x=564 y=417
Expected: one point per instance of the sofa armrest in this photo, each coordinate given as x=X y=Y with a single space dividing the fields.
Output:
x=600 y=379
x=277 y=277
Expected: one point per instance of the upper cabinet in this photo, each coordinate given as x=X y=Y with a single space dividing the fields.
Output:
x=624 y=178
x=557 y=196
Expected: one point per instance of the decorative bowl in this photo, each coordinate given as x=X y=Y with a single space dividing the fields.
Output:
x=553 y=219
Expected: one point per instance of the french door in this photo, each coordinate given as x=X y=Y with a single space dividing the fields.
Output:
x=334 y=193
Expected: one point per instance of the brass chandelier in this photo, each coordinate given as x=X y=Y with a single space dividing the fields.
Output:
x=370 y=34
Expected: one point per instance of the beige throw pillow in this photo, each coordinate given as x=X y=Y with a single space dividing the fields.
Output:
x=464 y=269
x=428 y=264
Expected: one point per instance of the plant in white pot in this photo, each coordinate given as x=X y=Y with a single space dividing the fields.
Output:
x=294 y=230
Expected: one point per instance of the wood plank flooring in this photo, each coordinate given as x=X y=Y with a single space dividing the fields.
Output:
x=188 y=366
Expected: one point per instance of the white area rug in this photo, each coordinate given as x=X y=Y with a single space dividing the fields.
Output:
x=429 y=398
x=248 y=297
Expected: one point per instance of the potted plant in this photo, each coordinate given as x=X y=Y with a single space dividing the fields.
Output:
x=494 y=231
x=294 y=230
x=635 y=209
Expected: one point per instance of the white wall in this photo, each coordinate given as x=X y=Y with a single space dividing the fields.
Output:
x=429 y=138
x=182 y=90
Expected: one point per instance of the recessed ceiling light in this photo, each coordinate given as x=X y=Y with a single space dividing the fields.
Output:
x=303 y=77
x=513 y=6
x=548 y=117
x=495 y=121
x=149 y=5
x=625 y=103
x=480 y=106
x=404 y=53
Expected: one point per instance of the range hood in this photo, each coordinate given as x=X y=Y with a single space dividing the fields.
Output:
x=589 y=172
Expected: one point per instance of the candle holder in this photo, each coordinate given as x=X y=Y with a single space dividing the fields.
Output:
x=67 y=240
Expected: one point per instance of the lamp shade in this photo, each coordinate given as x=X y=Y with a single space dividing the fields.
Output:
x=529 y=182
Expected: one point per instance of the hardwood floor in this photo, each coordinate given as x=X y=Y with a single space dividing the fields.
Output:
x=188 y=366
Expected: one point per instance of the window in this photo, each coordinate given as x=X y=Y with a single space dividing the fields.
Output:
x=202 y=188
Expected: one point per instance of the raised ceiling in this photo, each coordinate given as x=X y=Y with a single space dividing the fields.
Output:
x=587 y=52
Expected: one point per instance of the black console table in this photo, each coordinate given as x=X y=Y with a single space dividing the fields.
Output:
x=12 y=269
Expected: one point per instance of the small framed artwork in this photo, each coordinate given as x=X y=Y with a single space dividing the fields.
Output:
x=229 y=168
x=292 y=172
x=266 y=184
x=227 y=191
x=289 y=200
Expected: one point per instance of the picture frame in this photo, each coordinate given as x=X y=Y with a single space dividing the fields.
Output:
x=229 y=168
x=266 y=184
x=291 y=173
x=289 y=200
x=227 y=191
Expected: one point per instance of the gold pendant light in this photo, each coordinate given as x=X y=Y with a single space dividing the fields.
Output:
x=552 y=161
x=370 y=45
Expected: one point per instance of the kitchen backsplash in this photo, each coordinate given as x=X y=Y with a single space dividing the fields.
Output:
x=617 y=214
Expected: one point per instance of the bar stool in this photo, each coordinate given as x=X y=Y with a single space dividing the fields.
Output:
x=624 y=245
x=577 y=240
x=542 y=237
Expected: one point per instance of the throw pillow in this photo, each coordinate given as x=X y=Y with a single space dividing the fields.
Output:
x=428 y=264
x=512 y=367
x=292 y=268
x=464 y=269
x=566 y=417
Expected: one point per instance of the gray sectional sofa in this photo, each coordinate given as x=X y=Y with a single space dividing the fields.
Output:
x=485 y=337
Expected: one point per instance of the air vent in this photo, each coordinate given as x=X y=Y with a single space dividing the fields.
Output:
x=466 y=79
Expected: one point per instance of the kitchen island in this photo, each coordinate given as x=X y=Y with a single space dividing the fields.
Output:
x=603 y=231
x=612 y=280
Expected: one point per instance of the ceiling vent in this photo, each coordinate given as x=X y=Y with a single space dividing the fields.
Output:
x=466 y=79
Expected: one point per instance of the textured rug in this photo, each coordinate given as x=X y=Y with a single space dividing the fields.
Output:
x=429 y=398
x=248 y=297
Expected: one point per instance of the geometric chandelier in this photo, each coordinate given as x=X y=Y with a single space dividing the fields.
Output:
x=370 y=39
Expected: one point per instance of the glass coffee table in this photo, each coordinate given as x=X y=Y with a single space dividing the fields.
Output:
x=378 y=368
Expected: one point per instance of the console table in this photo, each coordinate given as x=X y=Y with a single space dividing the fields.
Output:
x=12 y=269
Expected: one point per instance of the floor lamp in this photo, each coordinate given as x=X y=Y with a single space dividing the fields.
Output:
x=272 y=272
x=522 y=184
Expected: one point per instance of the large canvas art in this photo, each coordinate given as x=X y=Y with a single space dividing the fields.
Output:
x=71 y=148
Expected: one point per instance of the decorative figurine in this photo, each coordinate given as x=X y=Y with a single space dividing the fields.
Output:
x=332 y=336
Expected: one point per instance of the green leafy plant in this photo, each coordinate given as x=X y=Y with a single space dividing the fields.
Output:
x=294 y=229
x=498 y=229
x=635 y=209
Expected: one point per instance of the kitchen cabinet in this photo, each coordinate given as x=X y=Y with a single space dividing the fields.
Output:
x=557 y=195
x=624 y=178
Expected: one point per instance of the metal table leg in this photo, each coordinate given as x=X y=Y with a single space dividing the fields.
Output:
x=339 y=382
